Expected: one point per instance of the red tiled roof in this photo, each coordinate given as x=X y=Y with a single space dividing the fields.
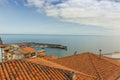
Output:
x=51 y=57
x=6 y=48
x=2 y=46
x=42 y=61
x=22 y=70
x=79 y=75
x=92 y=64
x=26 y=70
x=27 y=50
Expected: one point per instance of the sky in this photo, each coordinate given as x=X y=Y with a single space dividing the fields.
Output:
x=71 y=17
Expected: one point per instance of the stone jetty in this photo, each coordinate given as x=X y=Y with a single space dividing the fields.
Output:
x=42 y=45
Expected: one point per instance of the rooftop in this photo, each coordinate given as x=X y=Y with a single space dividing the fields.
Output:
x=92 y=64
x=42 y=61
x=30 y=70
x=27 y=50
x=51 y=57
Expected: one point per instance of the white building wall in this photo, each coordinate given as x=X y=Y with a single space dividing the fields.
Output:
x=115 y=55
x=1 y=53
x=18 y=56
x=110 y=56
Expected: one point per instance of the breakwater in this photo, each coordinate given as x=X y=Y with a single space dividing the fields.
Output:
x=42 y=45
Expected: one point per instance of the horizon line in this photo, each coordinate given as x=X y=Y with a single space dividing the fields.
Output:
x=62 y=34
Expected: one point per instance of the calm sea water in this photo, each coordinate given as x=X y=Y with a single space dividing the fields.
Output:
x=74 y=43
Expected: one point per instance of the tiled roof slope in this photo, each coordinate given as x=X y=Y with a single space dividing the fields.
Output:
x=42 y=61
x=79 y=75
x=24 y=70
x=92 y=64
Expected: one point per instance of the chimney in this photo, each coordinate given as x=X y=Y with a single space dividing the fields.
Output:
x=72 y=76
x=100 y=50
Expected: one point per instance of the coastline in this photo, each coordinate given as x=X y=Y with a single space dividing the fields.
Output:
x=42 y=45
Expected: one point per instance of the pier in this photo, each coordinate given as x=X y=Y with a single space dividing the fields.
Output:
x=42 y=45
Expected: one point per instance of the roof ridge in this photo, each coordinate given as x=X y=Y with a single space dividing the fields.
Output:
x=94 y=65
x=51 y=66
x=69 y=69
x=45 y=65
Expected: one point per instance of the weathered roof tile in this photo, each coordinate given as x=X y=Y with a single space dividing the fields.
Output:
x=28 y=70
x=92 y=64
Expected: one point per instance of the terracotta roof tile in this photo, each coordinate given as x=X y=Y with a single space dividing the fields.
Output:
x=6 y=48
x=42 y=61
x=92 y=64
x=80 y=75
x=22 y=70
x=51 y=57
x=26 y=50
x=27 y=70
x=2 y=46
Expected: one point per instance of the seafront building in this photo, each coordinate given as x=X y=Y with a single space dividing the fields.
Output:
x=114 y=55
x=19 y=53
x=14 y=51
x=1 y=52
x=1 y=49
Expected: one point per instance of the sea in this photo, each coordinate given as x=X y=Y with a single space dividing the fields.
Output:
x=74 y=43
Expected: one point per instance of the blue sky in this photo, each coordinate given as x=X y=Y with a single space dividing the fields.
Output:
x=75 y=17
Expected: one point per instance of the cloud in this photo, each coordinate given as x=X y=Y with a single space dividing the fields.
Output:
x=104 y=13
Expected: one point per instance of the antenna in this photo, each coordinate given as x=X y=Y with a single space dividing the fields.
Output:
x=100 y=50
x=75 y=52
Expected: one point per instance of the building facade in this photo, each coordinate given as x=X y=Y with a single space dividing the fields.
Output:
x=114 y=55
